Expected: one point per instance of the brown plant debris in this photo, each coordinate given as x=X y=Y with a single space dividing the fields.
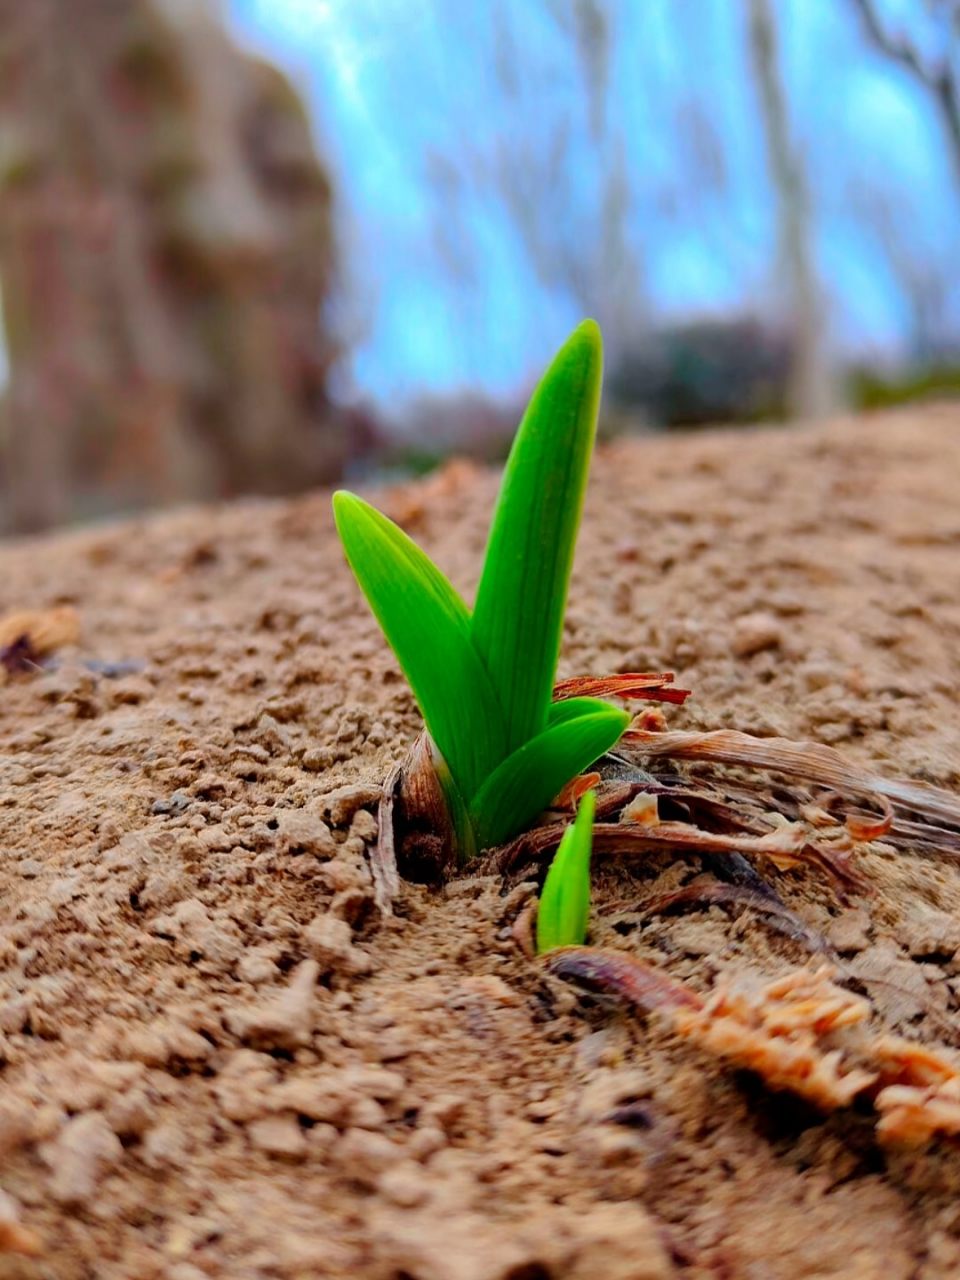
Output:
x=27 y=636
x=921 y=1097
x=575 y=789
x=911 y=1116
x=777 y=1031
x=800 y=1033
x=634 y=684
x=649 y=990
x=716 y=818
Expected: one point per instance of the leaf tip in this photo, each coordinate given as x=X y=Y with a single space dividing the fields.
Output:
x=588 y=333
x=585 y=347
x=343 y=500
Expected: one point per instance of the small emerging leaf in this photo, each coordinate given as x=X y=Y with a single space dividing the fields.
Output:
x=565 y=900
x=528 y=780
x=428 y=627
x=518 y=616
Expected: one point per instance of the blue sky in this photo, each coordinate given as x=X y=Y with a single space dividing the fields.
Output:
x=441 y=292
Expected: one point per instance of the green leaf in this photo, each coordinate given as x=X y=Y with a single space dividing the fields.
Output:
x=428 y=627
x=518 y=617
x=535 y=774
x=565 y=900
x=574 y=708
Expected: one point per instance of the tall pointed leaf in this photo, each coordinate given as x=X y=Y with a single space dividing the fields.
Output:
x=535 y=774
x=518 y=617
x=428 y=627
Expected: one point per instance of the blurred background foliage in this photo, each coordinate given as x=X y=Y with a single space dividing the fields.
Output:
x=250 y=245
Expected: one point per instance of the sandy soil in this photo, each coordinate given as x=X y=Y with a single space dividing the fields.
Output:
x=220 y=1061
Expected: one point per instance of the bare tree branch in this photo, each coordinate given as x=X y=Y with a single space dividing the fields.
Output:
x=940 y=81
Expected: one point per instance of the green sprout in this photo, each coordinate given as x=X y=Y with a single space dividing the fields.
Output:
x=484 y=680
x=565 y=900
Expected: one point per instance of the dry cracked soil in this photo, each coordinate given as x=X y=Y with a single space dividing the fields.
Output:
x=220 y=1060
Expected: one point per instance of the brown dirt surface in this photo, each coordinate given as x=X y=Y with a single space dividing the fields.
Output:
x=218 y=1058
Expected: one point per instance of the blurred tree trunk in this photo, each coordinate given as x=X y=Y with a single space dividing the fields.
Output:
x=165 y=252
x=807 y=393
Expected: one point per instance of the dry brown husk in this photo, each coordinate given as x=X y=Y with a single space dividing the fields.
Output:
x=417 y=839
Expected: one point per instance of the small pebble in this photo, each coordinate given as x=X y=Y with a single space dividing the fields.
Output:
x=284 y=1022
x=755 y=632
x=344 y=802
x=84 y=1151
x=301 y=832
x=366 y=1155
x=279 y=1136
x=329 y=940
x=404 y=1185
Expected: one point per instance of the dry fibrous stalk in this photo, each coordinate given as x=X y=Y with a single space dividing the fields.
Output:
x=934 y=814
